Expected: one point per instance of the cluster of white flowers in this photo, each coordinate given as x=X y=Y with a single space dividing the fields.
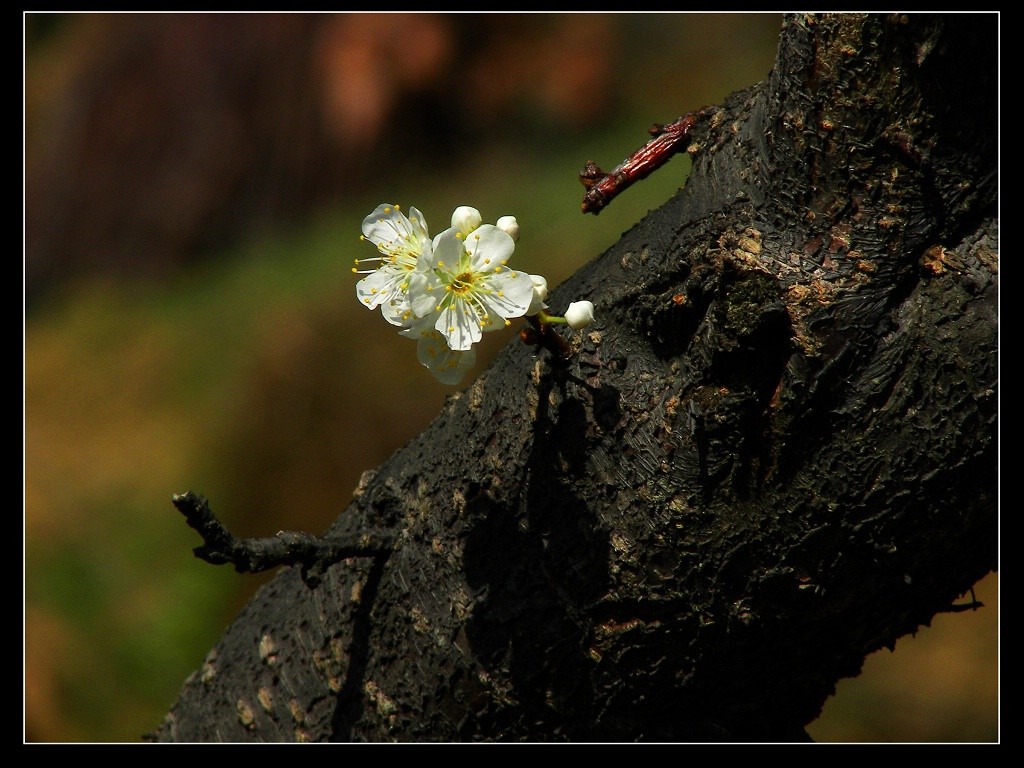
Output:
x=448 y=291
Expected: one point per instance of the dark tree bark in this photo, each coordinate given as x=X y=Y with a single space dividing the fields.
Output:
x=775 y=453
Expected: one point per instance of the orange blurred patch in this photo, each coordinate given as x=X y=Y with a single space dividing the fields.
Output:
x=47 y=644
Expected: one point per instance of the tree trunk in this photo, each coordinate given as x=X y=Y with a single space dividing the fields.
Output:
x=775 y=453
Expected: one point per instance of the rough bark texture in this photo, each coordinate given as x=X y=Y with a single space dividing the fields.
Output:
x=775 y=453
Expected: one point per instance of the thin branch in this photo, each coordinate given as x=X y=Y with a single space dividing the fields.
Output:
x=315 y=554
x=668 y=139
x=973 y=605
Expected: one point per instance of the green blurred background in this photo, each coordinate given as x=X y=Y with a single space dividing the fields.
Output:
x=194 y=186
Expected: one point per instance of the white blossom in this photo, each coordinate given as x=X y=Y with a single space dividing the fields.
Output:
x=470 y=287
x=406 y=250
x=447 y=292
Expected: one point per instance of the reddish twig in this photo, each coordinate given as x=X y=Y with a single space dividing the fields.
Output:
x=668 y=139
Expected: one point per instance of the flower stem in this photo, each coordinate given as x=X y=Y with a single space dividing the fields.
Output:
x=542 y=334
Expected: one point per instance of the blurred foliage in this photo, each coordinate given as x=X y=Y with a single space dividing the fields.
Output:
x=194 y=189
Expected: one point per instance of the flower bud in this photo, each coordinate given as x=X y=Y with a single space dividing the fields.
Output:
x=509 y=225
x=580 y=314
x=540 y=293
x=465 y=219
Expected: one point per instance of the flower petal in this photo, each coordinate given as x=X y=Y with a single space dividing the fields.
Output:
x=396 y=234
x=375 y=288
x=489 y=247
x=458 y=323
x=514 y=293
x=447 y=365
